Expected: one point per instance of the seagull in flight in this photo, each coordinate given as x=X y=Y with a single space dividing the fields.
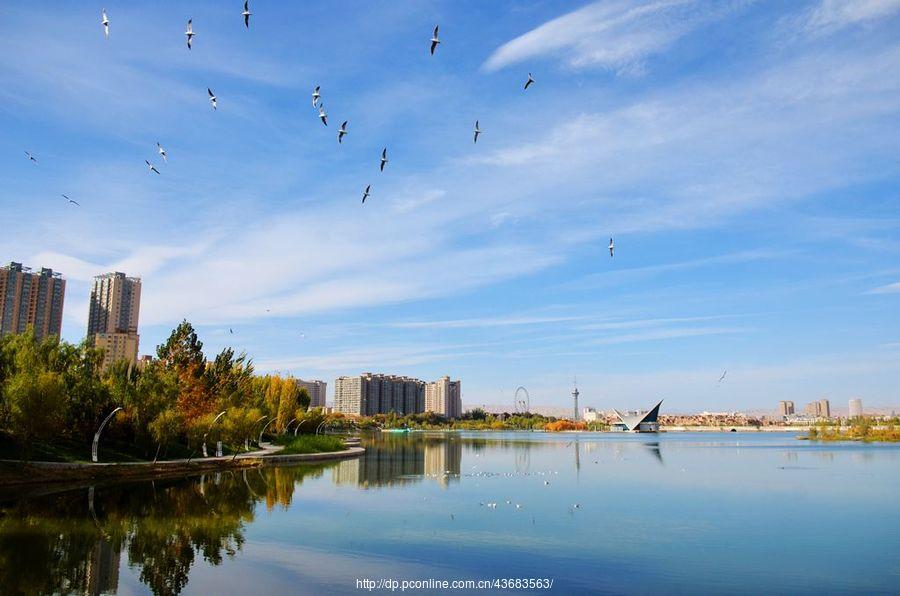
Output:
x=342 y=131
x=162 y=152
x=76 y=203
x=151 y=166
x=477 y=131
x=246 y=14
x=104 y=20
x=384 y=158
x=612 y=248
x=212 y=99
x=31 y=157
x=190 y=32
x=322 y=115
x=434 y=40
x=722 y=378
x=366 y=193
x=316 y=95
x=529 y=81
x=230 y=331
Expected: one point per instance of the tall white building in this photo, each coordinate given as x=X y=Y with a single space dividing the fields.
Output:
x=444 y=397
x=856 y=408
x=371 y=393
x=316 y=390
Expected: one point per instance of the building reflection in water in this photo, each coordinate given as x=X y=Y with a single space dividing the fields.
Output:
x=398 y=460
x=102 y=575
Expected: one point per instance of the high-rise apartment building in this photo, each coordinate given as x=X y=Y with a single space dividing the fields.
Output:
x=820 y=408
x=31 y=300
x=368 y=394
x=113 y=317
x=785 y=408
x=856 y=409
x=444 y=397
x=316 y=390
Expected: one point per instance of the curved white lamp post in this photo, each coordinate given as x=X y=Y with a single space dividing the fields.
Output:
x=100 y=430
x=259 y=441
x=211 y=424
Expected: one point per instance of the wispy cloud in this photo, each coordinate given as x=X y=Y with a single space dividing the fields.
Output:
x=829 y=16
x=617 y=35
x=893 y=288
x=507 y=321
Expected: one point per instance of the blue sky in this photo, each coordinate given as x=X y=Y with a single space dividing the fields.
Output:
x=744 y=155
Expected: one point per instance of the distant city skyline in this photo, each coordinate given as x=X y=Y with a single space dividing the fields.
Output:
x=742 y=157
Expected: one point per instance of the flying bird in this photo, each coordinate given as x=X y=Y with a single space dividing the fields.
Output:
x=246 y=14
x=230 y=331
x=162 y=152
x=316 y=95
x=434 y=40
x=105 y=21
x=722 y=378
x=366 y=193
x=342 y=131
x=31 y=157
x=529 y=81
x=212 y=99
x=76 y=203
x=477 y=131
x=612 y=247
x=322 y=115
x=151 y=166
x=190 y=32
x=384 y=158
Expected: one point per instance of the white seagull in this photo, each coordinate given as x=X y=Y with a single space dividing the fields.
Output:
x=477 y=131
x=105 y=21
x=342 y=131
x=612 y=247
x=316 y=95
x=212 y=99
x=151 y=166
x=366 y=193
x=722 y=378
x=162 y=152
x=434 y=40
x=76 y=203
x=322 y=115
x=190 y=32
x=529 y=81
x=246 y=14
x=31 y=157
x=384 y=158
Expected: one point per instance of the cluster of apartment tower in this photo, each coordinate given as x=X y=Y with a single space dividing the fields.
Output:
x=368 y=394
x=820 y=408
x=35 y=299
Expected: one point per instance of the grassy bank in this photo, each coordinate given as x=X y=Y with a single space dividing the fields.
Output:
x=308 y=444
x=857 y=432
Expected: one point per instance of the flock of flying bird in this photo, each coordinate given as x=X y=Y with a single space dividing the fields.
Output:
x=317 y=103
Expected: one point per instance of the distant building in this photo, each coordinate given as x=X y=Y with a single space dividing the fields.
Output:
x=856 y=408
x=31 y=300
x=640 y=422
x=590 y=415
x=820 y=408
x=368 y=394
x=113 y=316
x=316 y=390
x=785 y=408
x=444 y=397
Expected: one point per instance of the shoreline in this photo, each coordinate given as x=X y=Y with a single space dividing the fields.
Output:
x=15 y=473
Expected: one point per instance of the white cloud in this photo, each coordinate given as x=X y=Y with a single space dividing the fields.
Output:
x=893 y=288
x=617 y=35
x=829 y=16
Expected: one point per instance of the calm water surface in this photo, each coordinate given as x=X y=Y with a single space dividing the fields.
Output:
x=672 y=513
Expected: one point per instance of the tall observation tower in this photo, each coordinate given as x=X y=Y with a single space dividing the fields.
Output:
x=575 y=395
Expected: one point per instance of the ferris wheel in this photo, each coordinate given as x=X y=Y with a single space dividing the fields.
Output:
x=522 y=404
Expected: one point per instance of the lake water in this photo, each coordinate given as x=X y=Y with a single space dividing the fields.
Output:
x=670 y=513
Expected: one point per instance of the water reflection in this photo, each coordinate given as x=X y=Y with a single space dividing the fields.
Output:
x=399 y=460
x=75 y=541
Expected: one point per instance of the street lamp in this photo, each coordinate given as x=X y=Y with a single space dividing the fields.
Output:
x=211 y=424
x=97 y=434
x=287 y=428
x=264 y=430
x=321 y=424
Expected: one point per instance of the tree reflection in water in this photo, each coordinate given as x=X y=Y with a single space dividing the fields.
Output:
x=53 y=543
